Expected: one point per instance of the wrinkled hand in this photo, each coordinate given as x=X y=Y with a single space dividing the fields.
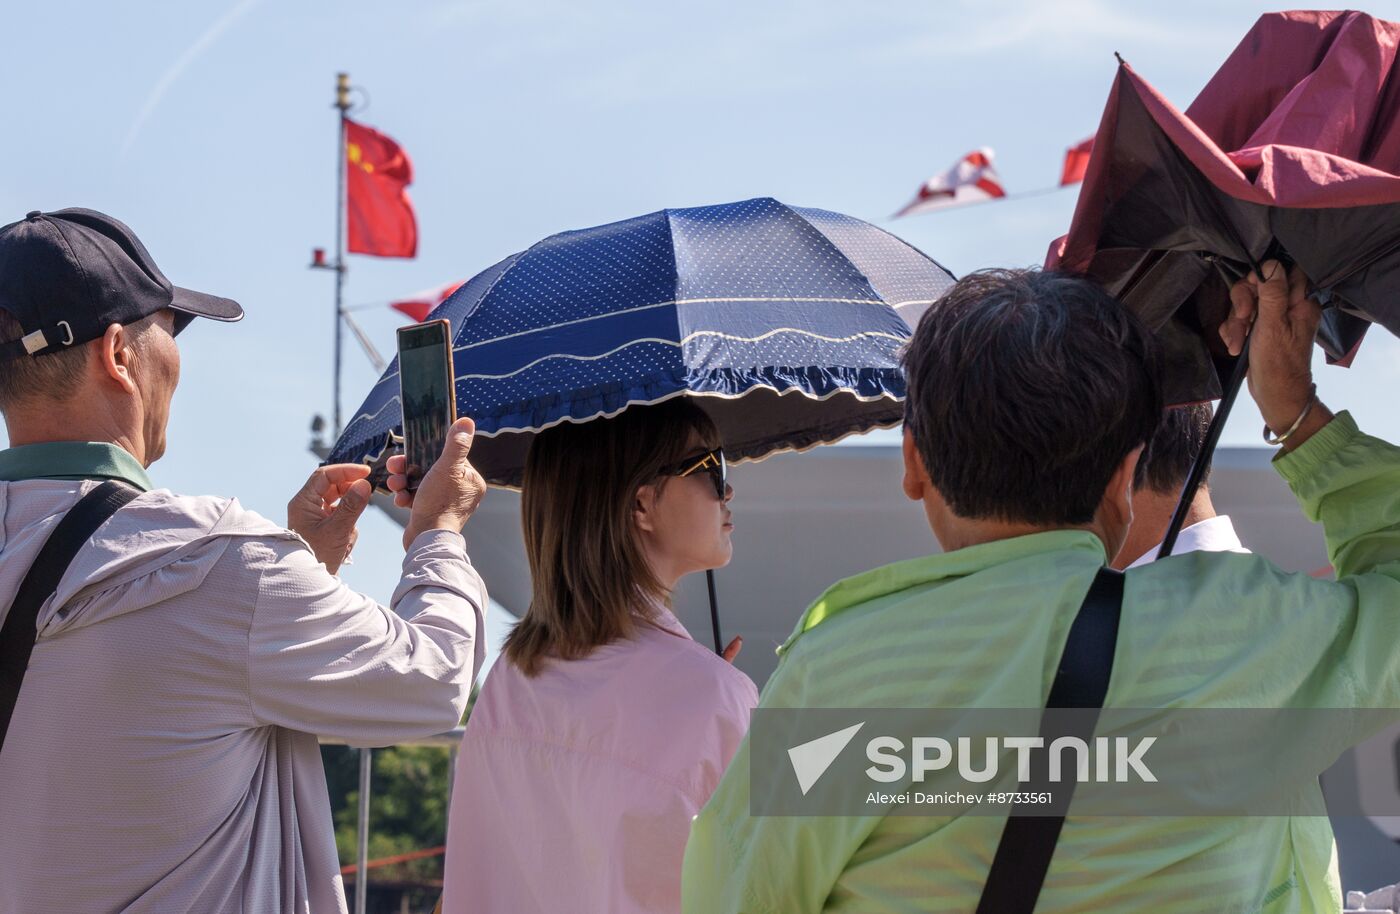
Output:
x=1285 y=322
x=449 y=492
x=324 y=512
x=732 y=650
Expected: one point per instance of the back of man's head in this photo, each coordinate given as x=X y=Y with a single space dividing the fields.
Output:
x=1026 y=392
x=62 y=376
x=55 y=377
x=1173 y=450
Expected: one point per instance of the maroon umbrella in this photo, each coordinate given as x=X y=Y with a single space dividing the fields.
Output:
x=1292 y=151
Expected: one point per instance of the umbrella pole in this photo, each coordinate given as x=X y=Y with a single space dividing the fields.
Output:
x=714 y=610
x=1198 y=469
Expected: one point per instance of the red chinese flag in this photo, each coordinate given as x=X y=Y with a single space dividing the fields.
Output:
x=1076 y=162
x=378 y=173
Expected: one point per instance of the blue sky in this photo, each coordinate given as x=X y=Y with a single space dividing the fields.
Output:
x=207 y=127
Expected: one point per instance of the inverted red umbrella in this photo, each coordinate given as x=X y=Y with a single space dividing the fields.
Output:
x=1291 y=151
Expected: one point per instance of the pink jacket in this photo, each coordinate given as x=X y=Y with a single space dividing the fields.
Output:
x=575 y=789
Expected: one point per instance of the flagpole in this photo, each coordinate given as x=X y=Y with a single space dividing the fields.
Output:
x=342 y=102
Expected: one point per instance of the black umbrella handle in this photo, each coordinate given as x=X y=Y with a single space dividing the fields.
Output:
x=714 y=611
x=1198 y=469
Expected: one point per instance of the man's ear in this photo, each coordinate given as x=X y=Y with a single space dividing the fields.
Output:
x=115 y=354
x=644 y=508
x=1118 y=498
x=916 y=479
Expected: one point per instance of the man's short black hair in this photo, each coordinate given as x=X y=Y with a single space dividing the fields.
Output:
x=1174 y=448
x=1026 y=389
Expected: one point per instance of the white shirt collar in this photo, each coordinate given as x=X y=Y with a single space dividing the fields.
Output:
x=1214 y=534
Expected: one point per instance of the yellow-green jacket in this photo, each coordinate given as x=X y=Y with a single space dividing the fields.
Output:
x=984 y=627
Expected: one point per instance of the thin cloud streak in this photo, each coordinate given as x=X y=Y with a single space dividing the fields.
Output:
x=169 y=77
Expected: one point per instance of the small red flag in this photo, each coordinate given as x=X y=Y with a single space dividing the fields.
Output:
x=419 y=305
x=1076 y=162
x=379 y=213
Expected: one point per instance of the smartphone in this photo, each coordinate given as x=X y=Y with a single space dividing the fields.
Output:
x=425 y=393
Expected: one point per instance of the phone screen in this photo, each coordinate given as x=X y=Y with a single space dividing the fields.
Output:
x=425 y=392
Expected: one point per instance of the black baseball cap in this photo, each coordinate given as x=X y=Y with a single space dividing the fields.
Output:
x=67 y=275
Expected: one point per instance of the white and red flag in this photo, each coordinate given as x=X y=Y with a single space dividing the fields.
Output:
x=420 y=304
x=1076 y=162
x=971 y=180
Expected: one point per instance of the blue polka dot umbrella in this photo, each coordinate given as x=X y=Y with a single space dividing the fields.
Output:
x=783 y=322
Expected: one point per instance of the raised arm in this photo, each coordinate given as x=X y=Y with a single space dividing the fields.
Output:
x=1345 y=479
x=327 y=660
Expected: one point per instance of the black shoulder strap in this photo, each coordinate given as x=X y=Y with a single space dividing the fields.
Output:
x=19 y=631
x=1028 y=841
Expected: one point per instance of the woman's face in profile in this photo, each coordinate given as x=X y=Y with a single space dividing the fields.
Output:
x=689 y=524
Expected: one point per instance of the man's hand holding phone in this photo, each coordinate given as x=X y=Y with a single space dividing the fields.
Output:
x=449 y=492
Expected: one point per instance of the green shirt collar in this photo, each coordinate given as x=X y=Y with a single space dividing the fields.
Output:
x=889 y=579
x=72 y=460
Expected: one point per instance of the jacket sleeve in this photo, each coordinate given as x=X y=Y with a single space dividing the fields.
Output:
x=324 y=659
x=1351 y=483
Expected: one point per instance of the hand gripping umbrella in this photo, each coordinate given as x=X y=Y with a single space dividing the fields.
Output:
x=784 y=323
x=1292 y=151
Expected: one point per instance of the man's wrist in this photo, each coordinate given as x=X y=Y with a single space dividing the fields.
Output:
x=1316 y=419
x=1285 y=403
x=415 y=530
x=1281 y=411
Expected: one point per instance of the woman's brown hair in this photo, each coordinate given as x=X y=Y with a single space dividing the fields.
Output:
x=587 y=569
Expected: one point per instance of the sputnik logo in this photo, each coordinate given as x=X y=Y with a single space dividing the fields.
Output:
x=811 y=759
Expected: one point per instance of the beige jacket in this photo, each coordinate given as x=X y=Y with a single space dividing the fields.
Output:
x=161 y=757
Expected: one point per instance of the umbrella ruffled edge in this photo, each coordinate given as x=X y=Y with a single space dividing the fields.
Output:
x=606 y=401
x=871 y=385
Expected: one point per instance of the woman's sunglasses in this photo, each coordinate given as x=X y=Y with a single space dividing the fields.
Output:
x=711 y=463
